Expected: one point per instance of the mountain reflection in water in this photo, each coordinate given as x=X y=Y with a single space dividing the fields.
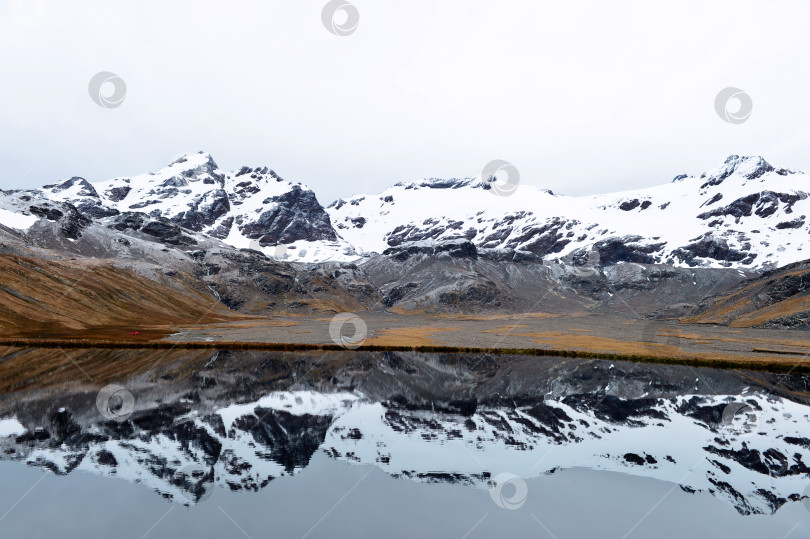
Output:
x=239 y=420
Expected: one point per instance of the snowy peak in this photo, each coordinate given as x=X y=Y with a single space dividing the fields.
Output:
x=245 y=208
x=195 y=162
x=74 y=187
x=169 y=191
x=744 y=213
x=442 y=183
x=745 y=167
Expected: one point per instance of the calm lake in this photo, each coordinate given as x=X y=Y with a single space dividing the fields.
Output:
x=134 y=443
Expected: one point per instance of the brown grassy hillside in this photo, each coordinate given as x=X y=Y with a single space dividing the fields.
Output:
x=69 y=297
x=779 y=299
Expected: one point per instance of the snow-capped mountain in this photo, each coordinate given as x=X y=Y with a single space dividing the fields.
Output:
x=248 y=207
x=745 y=213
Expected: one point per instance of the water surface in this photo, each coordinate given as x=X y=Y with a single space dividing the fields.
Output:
x=230 y=444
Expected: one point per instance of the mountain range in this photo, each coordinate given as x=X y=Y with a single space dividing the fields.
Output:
x=259 y=244
x=744 y=213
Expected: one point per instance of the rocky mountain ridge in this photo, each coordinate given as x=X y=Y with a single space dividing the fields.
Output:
x=745 y=213
x=260 y=244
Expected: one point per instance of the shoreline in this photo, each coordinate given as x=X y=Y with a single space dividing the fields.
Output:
x=776 y=365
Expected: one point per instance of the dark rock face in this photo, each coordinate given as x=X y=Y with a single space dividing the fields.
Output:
x=85 y=197
x=456 y=249
x=758 y=168
x=52 y=214
x=772 y=462
x=742 y=207
x=632 y=458
x=483 y=293
x=167 y=233
x=795 y=223
x=715 y=198
x=712 y=247
x=397 y=293
x=248 y=281
x=509 y=255
x=223 y=229
x=159 y=228
x=762 y=204
x=296 y=216
x=71 y=222
x=411 y=233
x=547 y=239
x=204 y=212
x=117 y=194
x=132 y=220
x=780 y=289
x=794 y=321
x=627 y=249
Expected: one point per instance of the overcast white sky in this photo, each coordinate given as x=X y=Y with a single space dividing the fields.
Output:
x=582 y=96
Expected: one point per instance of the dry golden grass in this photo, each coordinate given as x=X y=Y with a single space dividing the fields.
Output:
x=61 y=298
x=566 y=341
x=407 y=336
x=257 y=323
x=479 y=317
x=797 y=345
x=507 y=327
x=323 y=305
x=778 y=310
